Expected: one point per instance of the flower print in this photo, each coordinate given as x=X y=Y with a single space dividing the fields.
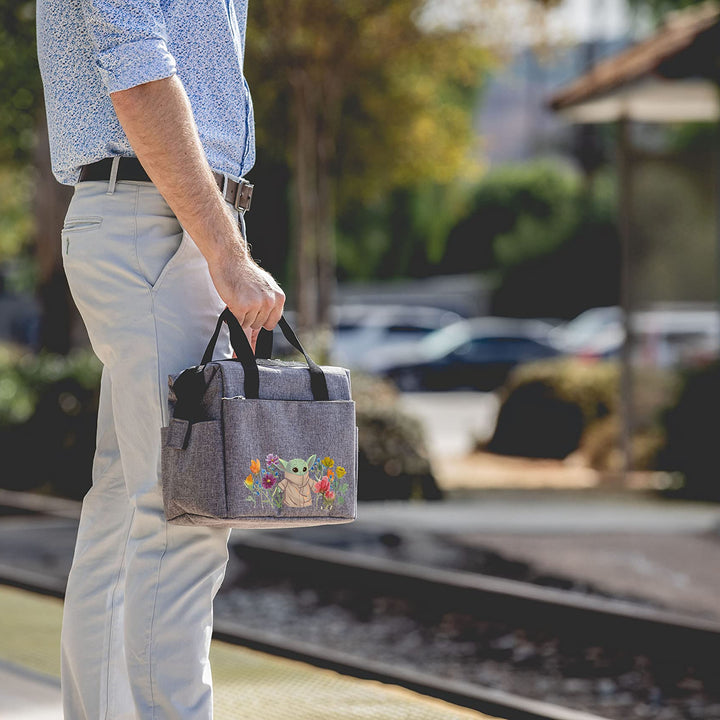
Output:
x=271 y=459
x=255 y=466
x=249 y=481
x=341 y=471
x=268 y=480
x=323 y=486
x=330 y=474
x=329 y=495
x=328 y=462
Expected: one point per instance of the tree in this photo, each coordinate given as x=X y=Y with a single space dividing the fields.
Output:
x=358 y=97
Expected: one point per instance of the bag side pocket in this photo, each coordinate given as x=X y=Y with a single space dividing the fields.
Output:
x=193 y=479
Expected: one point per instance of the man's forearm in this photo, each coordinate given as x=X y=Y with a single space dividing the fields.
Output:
x=158 y=121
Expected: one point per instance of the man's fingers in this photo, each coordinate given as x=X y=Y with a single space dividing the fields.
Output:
x=274 y=317
x=252 y=336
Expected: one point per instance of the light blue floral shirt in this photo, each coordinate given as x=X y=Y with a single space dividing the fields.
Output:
x=88 y=49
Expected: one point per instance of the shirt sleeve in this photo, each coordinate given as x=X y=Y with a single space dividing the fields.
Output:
x=130 y=41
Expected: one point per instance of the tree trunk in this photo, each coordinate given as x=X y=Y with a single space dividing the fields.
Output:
x=328 y=129
x=306 y=277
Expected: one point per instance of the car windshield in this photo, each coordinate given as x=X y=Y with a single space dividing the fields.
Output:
x=443 y=341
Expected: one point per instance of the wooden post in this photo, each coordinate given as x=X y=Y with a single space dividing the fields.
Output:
x=625 y=206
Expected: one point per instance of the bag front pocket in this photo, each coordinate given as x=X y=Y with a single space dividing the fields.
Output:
x=290 y=458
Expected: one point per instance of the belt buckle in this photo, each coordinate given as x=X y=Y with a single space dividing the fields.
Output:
x=243 y=196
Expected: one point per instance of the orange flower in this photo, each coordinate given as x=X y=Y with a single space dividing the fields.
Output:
x=255 y=466
x=331 y=473
x=249 y=480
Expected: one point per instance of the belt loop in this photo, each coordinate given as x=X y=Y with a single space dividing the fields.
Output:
x=113 y=175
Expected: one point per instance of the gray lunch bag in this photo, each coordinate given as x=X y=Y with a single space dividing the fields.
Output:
x=257 y=442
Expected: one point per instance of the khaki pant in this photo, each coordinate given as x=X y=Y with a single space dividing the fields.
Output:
x=138 y=610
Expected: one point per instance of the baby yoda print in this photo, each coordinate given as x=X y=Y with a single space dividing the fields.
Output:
x=295 y=483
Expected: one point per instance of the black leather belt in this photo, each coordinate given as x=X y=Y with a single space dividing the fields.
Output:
x=238 y=194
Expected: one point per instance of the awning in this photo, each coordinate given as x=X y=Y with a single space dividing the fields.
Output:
x=670 y=77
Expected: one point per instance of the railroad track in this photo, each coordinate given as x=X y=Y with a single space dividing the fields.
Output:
x=616 y=621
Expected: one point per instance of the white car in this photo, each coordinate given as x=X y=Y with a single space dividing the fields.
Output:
x=664 y=336
x=364 y=331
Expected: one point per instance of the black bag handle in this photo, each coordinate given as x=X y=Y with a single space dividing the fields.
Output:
x=245 y=355
x=264 y=344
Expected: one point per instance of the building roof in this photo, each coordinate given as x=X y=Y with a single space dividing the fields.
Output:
x=686 y=46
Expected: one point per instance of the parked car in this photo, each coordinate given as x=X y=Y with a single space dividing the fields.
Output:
x=363 y=331
x=664 y=336
x=476 y=354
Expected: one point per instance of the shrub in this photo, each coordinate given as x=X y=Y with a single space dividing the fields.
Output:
x=692 y=427
x=551 y=408
x=547 y=405
x=48 y=418
x=393 y=460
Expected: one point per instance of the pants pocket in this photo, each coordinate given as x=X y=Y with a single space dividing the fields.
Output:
x=80 y=224
x=159 y=249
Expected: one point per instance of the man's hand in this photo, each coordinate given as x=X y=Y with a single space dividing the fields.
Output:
x=251 y=293
x=158 y=121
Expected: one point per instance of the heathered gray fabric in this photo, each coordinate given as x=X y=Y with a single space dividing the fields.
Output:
x=315 y=443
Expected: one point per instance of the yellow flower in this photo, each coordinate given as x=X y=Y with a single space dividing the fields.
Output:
x=341 y=471
x=249 y=480
x=255 y=466
x=328 y=462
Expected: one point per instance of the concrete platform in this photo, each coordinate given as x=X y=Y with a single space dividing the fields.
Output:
x=247 y=683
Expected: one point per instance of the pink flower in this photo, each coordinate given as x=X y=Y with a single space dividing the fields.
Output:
x=268 y=480
x=323 y=486
x=330 y=495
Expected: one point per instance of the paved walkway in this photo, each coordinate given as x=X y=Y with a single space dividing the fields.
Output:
x=247 y=683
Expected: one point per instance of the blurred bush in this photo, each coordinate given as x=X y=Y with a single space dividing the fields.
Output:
x=551 y=408
x=393 y=460
x=548 y=236
x=48 y=420
x=692 y=428
x=547 y=405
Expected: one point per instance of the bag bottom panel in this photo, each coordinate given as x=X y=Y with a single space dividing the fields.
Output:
x=259 y=522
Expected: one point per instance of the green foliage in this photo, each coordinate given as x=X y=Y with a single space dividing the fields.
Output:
x=592 y=386
x=21 y=87
x=551 y=408
x=402 y=234
x=659 y=8
x=547 y=406
x=403 y=93
x=15 y=212
x=393 y=459
x=24 y=377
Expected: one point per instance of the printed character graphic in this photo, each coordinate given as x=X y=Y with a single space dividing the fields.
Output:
x=296 y=482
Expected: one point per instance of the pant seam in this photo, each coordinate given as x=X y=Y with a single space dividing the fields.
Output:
x=112 y=612
x=151 y=296
x=135 y=225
